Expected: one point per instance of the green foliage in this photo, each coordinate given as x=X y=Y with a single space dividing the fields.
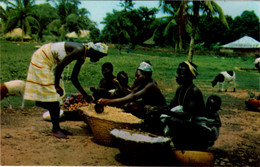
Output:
x=20 y=15
x=129 y=26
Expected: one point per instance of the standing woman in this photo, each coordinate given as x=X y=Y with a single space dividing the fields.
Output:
x=44 y=84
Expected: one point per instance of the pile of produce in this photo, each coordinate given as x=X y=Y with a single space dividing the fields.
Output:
x=111 y=114
x=72 y=101
x=253 y=103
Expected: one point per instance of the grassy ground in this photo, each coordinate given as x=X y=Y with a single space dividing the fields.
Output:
x=15 y=59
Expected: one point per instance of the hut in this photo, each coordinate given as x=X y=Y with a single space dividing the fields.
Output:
x=17 y=33
x=245 y=46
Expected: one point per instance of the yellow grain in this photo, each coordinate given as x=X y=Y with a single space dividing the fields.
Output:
x=111 y=113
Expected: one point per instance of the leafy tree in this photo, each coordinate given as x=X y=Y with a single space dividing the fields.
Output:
x=117 y=24
x=246 y=24
x=141 y=20
x=45 y=14
x=19 y=14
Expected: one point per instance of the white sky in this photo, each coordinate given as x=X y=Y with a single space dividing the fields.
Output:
x=98 y=8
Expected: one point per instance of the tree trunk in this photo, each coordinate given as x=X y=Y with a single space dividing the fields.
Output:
x=194 y=27
x=190 y=53
x=22 y=31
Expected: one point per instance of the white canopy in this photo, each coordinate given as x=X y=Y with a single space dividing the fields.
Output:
x=245 y=42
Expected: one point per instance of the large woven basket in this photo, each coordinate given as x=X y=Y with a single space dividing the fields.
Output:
x=101 y=127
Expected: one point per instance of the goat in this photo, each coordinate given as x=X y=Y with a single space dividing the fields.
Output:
x=225 y=77
x=12 y=88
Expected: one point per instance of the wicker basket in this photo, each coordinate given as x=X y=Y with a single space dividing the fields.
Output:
x=101 y=127
x=137 y=144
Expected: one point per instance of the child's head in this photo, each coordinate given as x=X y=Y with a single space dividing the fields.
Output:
x=107 y=69
x=213 y=104
x=122 y=78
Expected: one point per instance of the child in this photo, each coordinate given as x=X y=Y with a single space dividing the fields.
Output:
x=106 y=84
x=212 y=106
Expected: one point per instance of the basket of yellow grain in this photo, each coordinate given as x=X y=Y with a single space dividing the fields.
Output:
x=102 y=123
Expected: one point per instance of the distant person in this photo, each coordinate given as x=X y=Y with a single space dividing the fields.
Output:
x=145 y=92
x=44 y=84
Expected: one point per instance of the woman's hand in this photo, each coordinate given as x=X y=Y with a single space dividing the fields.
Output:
x=59 y=90
x=88 y=98
x=104 y=101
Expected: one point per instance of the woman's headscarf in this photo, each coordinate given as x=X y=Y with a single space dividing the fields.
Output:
x=145 y=67
x=99 y=47
x=192 y=68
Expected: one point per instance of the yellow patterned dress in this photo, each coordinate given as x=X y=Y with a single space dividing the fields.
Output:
x=40 y=82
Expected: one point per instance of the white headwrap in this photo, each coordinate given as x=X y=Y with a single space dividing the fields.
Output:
x=257 y=61
x=145 y=67
x=100 y=47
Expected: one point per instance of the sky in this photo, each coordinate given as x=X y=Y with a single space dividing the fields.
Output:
x=98 y=8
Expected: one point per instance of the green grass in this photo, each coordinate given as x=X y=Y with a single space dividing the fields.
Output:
x=15 y=59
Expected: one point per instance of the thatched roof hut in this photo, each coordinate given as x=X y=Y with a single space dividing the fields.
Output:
x=17 y=32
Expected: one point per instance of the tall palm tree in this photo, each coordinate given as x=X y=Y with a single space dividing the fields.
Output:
x=20 y=15
x=211 y=8
x=186 y=15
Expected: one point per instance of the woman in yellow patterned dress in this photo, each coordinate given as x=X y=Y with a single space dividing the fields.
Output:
x=44 y=84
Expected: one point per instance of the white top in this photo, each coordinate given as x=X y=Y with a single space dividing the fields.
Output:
x=58 y=50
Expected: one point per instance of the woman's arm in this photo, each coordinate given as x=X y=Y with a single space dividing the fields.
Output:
x=75 y=81
x=74 y=51
x=131 y=97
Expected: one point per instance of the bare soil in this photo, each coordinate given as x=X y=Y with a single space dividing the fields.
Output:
x=26 y=139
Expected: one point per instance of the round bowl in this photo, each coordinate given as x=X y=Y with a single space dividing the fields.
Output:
x=253 y=105
x=47 y=117
x=193 y=158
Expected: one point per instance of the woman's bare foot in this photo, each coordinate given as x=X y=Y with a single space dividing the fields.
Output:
x=59 y=134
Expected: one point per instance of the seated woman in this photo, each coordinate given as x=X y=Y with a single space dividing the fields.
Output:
x=145 y=91
x=187 y=104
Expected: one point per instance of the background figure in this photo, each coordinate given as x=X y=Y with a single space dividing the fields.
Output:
x=44 y=84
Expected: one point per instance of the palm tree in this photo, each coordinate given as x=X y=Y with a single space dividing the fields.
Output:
x=187 y=16
x=20 y=15
x=211 y=8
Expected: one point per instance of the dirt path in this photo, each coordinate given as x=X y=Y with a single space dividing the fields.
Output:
x=26 y=139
